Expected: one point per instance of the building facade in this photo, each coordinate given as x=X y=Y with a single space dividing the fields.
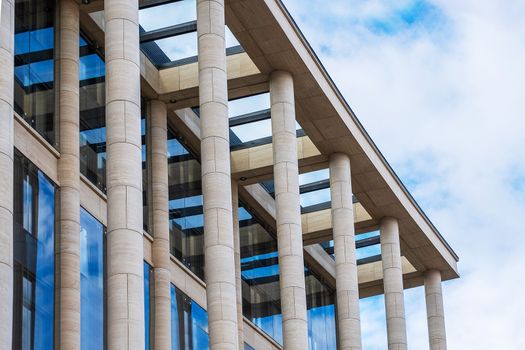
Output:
x=184 y=174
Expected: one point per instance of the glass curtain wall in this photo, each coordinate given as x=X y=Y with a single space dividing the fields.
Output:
x=172 y=40
x=34 y=98
x=92 y=282
x=148 y=287
x=92 y=115
x=189 y=323
x=34 y=256
x=261 y=293
x=93 y=121
x=185 y=206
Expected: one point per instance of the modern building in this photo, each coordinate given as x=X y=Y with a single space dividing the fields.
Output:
x=184 y=174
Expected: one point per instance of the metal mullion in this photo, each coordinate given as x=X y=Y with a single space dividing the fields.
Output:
x=250 y=117
x=367 y=242
x=163 y=33
x=144 y=4
x=314 y=186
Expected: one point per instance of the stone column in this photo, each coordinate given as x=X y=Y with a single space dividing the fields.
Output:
x=125 y=291
x=288 y=212
x=7 y=29
x=237 y=254
x=157 y=151
x=347 y=285
x=393 y=284
x=68 y=174
x=435 y=313
x=216 y=176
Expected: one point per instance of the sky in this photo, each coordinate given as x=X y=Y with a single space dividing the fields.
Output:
x=439 y=86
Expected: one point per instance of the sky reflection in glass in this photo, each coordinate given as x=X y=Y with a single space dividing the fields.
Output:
x=34 y=256
x=91 y=282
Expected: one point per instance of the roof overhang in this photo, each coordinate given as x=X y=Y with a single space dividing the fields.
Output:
x=273 y=41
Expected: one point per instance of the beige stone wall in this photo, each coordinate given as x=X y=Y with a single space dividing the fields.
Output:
x=435 y=311
x=125 y=292
x=7 y=22
x=237 y=250
x=68 y=238
x=347 y=285
x=157 y=151
x=288 y=212
x=393 y=284
x=216 y=176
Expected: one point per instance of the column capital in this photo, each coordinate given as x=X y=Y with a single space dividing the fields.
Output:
x=389 y=220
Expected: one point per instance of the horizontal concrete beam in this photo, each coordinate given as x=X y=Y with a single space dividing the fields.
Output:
x=255 y=164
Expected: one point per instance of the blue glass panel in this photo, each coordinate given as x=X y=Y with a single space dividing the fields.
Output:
x=91 y=66
x=366 y=252
x=147 y=305
x=175 y=327
x=34 y=41
x=153 y=18
x=189 y=322
x=92 y=96
x=315 y=197
x=249 y=104
x=314 y=176
x=199 y=327
x=185 y=206
x=91 y=282
x=34 y=257
x=34 y=98
x=35 y=73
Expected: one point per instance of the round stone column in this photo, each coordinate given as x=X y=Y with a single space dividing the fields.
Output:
x=237 y=252
x=125 y=280
x=347 y=285
x=393 y=284
x=435 y=312
x=7 y=29
x=68 y=174
x=216 y=176
x=157 y=151
x=288 y=212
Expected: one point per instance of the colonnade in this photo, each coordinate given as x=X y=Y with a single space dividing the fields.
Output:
x=125 y=308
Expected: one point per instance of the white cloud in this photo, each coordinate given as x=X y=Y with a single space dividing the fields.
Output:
x=442 y=97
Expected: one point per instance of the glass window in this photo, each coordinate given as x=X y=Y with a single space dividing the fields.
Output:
x=315 y=197
x=178 y=47
x=250 y=121
x=34 y=98
x=155 y=17
x=185 y=206
x=92 y=282
x=34 y=256
x=92 y=116
x=368 y=246
x=261 y=291
x=93 y=122
x=314 y=176
x=189 y=322
x=249 y=104
x=148 y=283
x=321 y=314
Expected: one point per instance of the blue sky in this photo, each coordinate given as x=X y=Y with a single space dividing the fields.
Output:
x=439 y=87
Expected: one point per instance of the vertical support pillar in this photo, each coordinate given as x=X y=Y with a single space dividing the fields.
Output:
x=216 y=176
x=68 y=174
x=288 y=212
x=157 y=149
x=7 y=29
x=435 y=311
x=393 y=284
x=125 y=291
x=237 y=254
x=347 y=285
